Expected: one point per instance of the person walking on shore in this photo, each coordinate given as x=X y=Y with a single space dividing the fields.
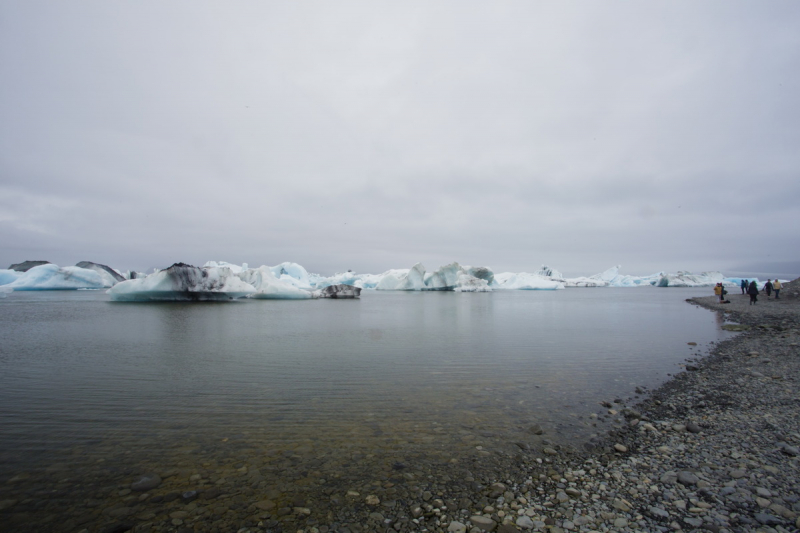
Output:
x=718 y=291
x=753 y=292
x=744 y=286
x=768 y=288
x=777 y=288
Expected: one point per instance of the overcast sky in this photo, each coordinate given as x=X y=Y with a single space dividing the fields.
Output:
x=373 y=135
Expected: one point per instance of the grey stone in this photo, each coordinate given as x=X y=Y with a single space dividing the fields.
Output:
x=146 y=482
x=525 y=522
x=456 y=527
x=687 y=478
x=738 y=473
x=659 y=513
x=691 y=427
x=484 y=523
x=767 y=519
x=694 y=522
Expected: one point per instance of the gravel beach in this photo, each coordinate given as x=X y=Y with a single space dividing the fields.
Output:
x=714 y=449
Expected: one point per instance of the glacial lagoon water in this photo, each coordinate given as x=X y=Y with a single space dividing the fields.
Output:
x=434 y=375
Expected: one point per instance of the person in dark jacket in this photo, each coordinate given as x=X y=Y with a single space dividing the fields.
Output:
x=768 y=288
x=744 y=286
x=753 y=292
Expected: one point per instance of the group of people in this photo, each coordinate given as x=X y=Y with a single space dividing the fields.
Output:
x=752 y=289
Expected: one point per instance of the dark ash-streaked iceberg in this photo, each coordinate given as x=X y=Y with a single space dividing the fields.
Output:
x=182 y=282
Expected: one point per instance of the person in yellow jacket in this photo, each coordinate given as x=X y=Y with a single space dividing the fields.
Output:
x=776 y=286
x=718 y=291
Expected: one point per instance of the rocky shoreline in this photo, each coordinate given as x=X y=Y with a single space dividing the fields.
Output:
x=714 y=449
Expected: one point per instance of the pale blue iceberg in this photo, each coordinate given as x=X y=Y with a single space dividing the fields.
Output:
x=50 y=277
x=8 y=276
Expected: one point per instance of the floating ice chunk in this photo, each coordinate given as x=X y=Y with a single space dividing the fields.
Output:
x=403 y=280
x=687 y=279
x=469 y=283
x=445 y=278
x=293 y=274
x=454 y=277
x=50 y=277
x=269 y=287
x=612 y=278
x=340 y=278
x=583 y=281
x=338 y=291
x=484 y=273
x=525 y=281
x=8 y=276
x=182 y=282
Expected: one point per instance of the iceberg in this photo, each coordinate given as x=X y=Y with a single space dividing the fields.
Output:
x=343 y=278
x=182 y=282
x=338 y=291
x=268 y=287
x=50 y=277
x=525 y=281
x=454 y=277
x=294 y=274
x=612 y=278
x=445 y=278
x=412 y=279
x=687 y=279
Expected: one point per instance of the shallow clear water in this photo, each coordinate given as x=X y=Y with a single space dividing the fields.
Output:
x=81 y=376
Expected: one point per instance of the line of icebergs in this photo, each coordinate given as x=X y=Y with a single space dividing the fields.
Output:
x=225 y=281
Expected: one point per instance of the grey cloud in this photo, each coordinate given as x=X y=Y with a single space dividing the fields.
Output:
x=373 y=135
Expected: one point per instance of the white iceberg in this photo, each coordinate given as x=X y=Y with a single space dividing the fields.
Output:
x=182 y=282
x=345 y=278
x=525 y=281
x=612 y=278
x=687 y=279
x=236 y=269
x=50 y=277
x=269 y=287
x=452 y=277
x=294 y=274
x=412 y=279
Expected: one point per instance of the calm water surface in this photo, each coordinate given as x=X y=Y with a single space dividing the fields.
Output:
x=81 y=376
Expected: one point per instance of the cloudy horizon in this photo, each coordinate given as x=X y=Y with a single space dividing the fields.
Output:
x=369 y=136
